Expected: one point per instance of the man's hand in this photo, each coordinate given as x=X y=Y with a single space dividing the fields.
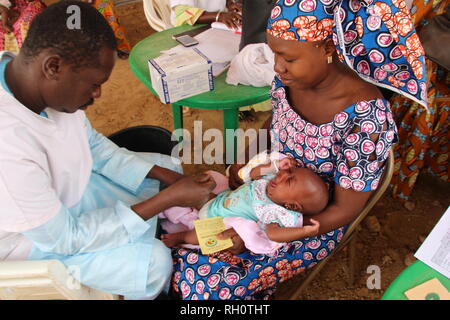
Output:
x=238 y=245
x=192 y=191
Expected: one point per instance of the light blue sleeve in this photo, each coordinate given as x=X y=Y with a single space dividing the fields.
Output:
x=121 y=166
x=91 y=231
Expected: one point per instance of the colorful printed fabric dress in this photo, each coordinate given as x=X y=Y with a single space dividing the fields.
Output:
x=12 y=41
x=106 y=8
x=424 y=135
x=251 y=276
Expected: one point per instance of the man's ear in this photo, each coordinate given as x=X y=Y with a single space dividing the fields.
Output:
x=52 y=67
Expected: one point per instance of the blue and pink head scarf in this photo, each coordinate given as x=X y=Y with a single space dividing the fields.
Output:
x=376 y=38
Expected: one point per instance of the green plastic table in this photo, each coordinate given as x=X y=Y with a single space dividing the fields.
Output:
x=416 y=274
x=224 y=97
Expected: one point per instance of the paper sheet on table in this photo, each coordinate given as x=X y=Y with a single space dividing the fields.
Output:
x=435 y=250
x=223 y=26
x=219 y=46
x=207 y=230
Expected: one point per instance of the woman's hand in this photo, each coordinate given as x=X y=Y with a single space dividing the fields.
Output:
x=238 y=245
x=232 y=19
x=234 y=180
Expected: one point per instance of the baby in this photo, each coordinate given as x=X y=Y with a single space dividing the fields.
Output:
x=276 y=203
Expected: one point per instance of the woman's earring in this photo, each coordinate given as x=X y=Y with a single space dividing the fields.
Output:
x=330 y=59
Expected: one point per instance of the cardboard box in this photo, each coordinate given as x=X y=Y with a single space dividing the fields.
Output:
x=181 y=74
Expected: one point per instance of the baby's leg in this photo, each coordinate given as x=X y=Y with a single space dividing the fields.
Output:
x=174 y=239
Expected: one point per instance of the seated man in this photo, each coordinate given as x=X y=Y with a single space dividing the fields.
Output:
x=66 y=191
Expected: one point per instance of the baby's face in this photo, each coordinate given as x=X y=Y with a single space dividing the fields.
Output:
x=286 y=186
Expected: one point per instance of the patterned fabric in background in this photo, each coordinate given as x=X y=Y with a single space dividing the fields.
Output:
x=106 y=8
x=376 y=38
x=424 y=134
x=28 y=10
x=247 y=276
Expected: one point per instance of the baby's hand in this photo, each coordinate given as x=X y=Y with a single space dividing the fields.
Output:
x=312 y=230
x=286 y=163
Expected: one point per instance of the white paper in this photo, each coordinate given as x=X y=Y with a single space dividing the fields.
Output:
x=223 y=26
x=435 y=250
x=218 y=45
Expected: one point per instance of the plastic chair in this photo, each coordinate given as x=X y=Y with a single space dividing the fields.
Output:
x=158 y=14
x=351 y=231
x=43 y=280
x=145 y=139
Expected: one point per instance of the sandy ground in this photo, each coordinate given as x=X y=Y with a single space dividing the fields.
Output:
x=387 y=238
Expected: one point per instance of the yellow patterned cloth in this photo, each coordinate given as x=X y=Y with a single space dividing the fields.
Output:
x=106 y=8
x=186 y=15
x=424 y=135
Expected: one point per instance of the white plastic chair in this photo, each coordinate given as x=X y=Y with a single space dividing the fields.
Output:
x=43 y=280
x=158 y=13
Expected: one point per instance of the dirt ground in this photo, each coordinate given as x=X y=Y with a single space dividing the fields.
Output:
x=388 y=237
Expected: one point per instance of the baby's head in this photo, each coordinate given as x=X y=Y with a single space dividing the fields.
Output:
x=298 y=189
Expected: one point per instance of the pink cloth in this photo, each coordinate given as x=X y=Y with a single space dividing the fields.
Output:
x=255 y=239
x=180 y=219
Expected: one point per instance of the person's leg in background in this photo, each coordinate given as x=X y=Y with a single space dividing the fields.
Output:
x=106 y=8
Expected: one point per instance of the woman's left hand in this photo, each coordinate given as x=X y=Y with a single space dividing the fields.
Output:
x=238 y=244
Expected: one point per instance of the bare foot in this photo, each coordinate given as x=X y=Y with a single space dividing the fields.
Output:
x=172 y=239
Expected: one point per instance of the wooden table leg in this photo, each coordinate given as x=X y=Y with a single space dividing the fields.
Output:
x=230 y=121
x=177 y=118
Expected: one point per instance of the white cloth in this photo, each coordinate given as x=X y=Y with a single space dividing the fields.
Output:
x=263 y=157
x=252 y=66
x=208 y=5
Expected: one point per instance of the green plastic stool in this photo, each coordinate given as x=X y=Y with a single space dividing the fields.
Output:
x=416 y=274
x=224 y=97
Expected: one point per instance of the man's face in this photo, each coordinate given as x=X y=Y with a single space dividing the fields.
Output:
x=76 y=89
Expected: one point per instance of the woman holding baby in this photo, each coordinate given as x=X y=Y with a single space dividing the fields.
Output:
x=329 y=115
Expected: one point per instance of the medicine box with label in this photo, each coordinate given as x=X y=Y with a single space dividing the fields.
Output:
x=181 y=74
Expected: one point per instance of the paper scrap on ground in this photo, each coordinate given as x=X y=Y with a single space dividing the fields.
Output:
x=435 y=250
x=429 y=290
x=207 y=230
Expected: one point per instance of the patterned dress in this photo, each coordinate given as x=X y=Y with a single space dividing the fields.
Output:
x=106 y=8
x=327 y=149
x=12 y=41
x=424 y=135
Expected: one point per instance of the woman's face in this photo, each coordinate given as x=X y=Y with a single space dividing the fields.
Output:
x=299 y=64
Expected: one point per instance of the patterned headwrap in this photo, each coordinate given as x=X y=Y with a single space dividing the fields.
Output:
x=376 y=38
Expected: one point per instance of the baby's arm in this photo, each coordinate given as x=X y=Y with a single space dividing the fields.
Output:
x=174 y=239
x=288 y=234
x=262 y=170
